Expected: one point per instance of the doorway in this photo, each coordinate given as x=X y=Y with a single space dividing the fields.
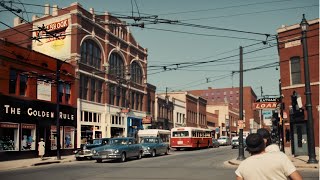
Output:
x=300 y=139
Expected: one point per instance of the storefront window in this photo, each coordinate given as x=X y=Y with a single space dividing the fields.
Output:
x=28 y=136
x=53 y=137
x=68 y=137
x=86 y=134
x=9 y=133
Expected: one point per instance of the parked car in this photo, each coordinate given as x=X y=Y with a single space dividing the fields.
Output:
x=118 y=148
x=224 y=140
x=153 y=146
x=85 y=150
x=215 y=143
x=235 y=142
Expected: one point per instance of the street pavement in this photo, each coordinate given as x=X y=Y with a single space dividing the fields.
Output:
x=201 y=164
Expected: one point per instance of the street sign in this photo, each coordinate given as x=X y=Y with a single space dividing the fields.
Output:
x=268 y=100
x=265 y=105
x=240 y=124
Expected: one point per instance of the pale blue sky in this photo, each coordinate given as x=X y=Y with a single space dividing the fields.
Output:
x=263 y=16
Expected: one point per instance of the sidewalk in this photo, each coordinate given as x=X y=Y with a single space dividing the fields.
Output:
x=299 y=162
x=21 y=163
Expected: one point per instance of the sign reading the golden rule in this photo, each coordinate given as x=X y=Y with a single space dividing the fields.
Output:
x=54 y=41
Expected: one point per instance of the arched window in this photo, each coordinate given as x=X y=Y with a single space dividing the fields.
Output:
x=116 y=65
x=91 y=54
x=136 y=73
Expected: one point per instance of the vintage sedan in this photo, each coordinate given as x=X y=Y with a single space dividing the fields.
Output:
x=215 y=143
x=85 y=151
x=118 y=148
x=153 y=146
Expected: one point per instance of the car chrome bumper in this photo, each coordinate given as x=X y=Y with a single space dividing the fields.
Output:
x=109 y=156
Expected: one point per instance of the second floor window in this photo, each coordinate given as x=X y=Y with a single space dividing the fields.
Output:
x=91 y=54
x=116 y=65
x=295 y=70
x=18 y=83
x=136 y=73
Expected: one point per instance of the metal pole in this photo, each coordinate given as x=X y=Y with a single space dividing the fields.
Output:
x=310 y=133
x=57 y=108
x=261 y=115
x=281 y=118
x=241 y=148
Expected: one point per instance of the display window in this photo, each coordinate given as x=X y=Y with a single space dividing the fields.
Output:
x=28 y=136
x=9 y=137
x=68 y=137
x=53 y=137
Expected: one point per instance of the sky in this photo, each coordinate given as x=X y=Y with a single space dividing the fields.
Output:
x=221 y=28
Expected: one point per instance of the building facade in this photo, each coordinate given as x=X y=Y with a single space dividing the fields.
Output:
x=293 y=81
x=195 y=108
x=111 y=67
x=179 y=113
x=163 y=113
x=28 y=100
x=231 y=96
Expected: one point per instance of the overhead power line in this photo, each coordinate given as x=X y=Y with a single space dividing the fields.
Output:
x=220 y=8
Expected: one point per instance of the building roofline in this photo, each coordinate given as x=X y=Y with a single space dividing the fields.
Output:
x=285 y=28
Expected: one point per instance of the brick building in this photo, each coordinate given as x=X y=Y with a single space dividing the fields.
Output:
x=111 y=67
x=28 y=100
x=195 y=108
x=231 y=96
x=292 y=79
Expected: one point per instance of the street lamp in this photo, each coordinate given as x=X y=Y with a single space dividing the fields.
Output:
x=311 y=146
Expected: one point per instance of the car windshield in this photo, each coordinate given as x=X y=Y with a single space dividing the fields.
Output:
x=223 y=138
x=118 y=141
x=97 y=141
x=149 y=140
x=180 y=134
x=235 y=140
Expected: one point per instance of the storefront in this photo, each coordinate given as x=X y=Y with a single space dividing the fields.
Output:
x=24 y=122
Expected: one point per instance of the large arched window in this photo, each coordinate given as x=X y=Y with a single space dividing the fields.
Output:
x=116 y=65
x=136 y=73
x=91 y=54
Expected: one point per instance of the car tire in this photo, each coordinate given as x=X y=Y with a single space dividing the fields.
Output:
x=123 y=157
x=99 y=160
x=167 y=151
x=139 y=155
x=153 y=154
x=78 y=158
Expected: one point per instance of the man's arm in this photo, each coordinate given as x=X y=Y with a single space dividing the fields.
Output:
x=294 y=176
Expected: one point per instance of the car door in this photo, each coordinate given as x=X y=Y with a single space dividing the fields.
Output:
x=131 y=148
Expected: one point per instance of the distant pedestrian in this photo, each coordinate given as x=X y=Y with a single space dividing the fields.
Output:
x=267 y=140
x=265 y=166
x=41 y=148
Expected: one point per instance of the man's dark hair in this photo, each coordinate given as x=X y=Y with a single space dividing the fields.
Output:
x=265 y=135
x=255 y=143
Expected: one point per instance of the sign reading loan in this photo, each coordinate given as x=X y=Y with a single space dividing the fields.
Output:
x=266 y=103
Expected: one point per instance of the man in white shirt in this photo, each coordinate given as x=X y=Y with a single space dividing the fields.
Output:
x=265 y=166
x=267 y=140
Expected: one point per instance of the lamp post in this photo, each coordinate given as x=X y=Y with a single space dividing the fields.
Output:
x=311 y=145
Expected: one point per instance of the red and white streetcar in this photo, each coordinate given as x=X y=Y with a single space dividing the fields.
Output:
x=190 y=137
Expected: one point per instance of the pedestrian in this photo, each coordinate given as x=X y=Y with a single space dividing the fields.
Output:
x=263 y=166
x=41 y=148
x=270 y=147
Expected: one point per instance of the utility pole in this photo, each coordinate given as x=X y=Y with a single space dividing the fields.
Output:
x=261 y=115
x=59 y=64
x=241 y=148
x=281 y=132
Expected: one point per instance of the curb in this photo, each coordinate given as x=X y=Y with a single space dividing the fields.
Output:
x=45 y=163
x=233 y=163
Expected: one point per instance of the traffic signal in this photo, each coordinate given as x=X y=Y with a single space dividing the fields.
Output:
x=296 y=113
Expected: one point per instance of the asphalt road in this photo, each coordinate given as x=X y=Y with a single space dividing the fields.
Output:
x=202 y=164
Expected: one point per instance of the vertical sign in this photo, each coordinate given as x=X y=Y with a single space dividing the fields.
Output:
x=43 y=90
